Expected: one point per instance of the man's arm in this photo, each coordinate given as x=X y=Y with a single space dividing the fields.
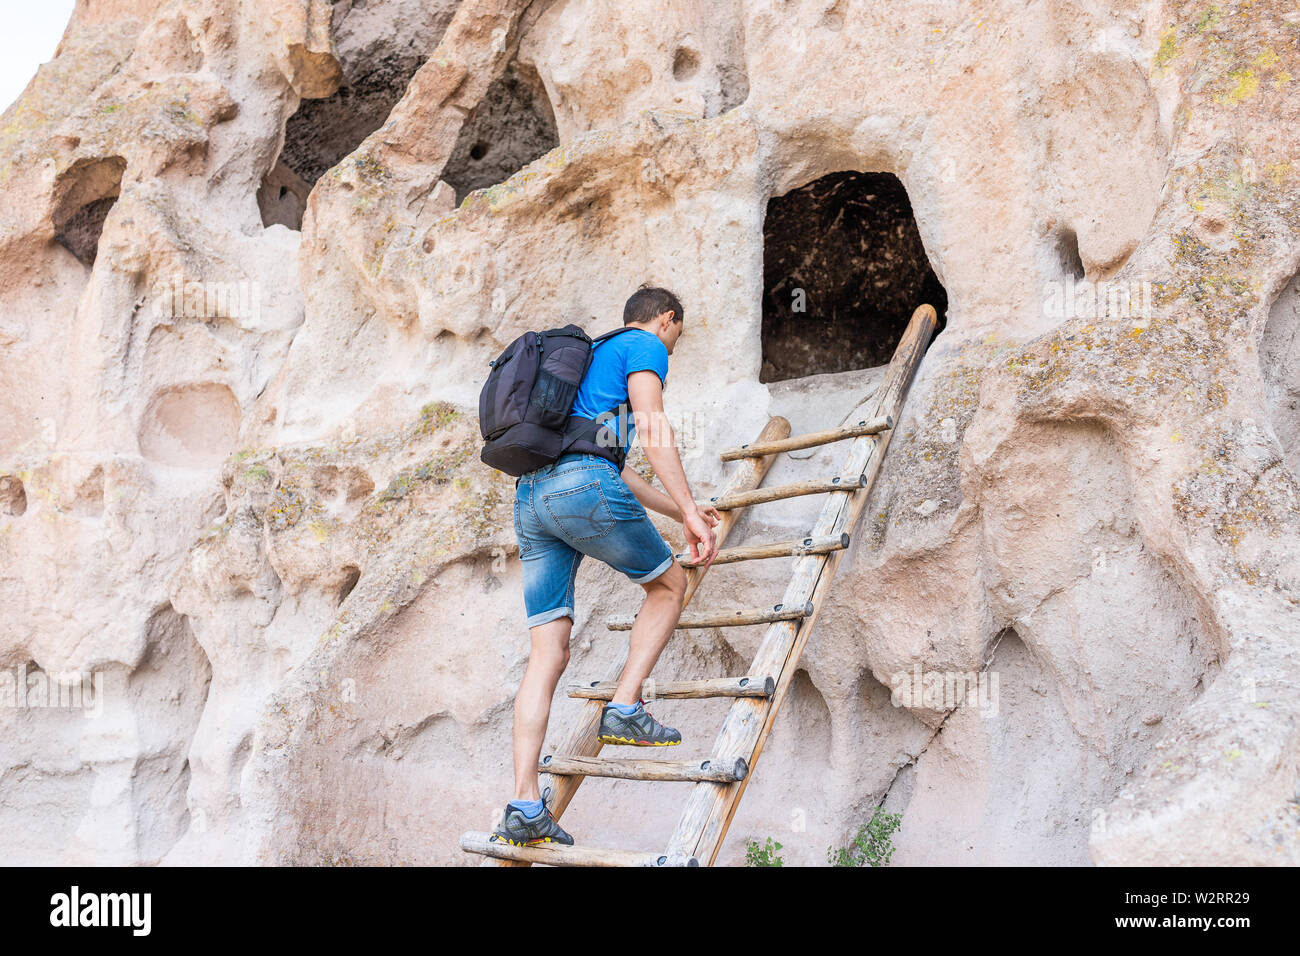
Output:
x=656 y=500
x=645 y=394
x=649 y=495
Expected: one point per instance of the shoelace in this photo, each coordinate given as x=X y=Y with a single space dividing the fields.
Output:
x=641 y=701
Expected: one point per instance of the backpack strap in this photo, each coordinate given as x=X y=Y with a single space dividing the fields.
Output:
x=584 y=434
x=609 y=335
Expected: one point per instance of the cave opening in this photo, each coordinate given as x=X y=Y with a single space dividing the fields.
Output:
x=83 y=196
x=323 y=131
x=844 y=268
x=512 y=126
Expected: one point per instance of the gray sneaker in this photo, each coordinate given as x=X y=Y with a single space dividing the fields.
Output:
x=637 y=729
x=519 y=830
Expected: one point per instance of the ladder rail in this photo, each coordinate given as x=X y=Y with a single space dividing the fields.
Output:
x=709 y=809
x=777 y=698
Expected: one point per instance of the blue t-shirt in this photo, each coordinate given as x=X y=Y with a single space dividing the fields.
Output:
x=612 y=361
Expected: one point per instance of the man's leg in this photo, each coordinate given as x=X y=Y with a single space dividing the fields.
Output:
x=651 y=630
x=546 y=662
x=550 y=569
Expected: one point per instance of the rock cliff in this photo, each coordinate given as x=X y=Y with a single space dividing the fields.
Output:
x=254 y=258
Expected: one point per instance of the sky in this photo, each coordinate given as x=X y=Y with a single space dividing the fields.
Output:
x=32 y=30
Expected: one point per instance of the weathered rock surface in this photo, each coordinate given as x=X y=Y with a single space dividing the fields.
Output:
x=250 y=282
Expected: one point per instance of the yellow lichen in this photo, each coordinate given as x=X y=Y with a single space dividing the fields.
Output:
x=1168 y=48
x=1245 y=86
x=1268 y=59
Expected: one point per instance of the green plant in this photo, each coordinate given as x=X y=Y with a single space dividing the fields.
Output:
x=872 y=846
x=756 y=855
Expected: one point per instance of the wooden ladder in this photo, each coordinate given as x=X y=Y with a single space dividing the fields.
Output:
x=720 y=780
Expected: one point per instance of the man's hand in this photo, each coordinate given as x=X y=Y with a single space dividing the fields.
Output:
x=700 y=540
x=710 y=513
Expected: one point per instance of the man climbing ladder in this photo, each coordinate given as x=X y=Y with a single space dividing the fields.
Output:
x=719 y=779
x=589 y=502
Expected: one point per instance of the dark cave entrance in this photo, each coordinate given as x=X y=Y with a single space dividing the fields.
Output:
x=843 y=270
x=83 y=196
x=323 y=131
x=511 y=127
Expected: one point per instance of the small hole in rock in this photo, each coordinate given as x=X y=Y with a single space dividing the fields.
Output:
x=686 y=63
x=1067 y=249
x=478 y=151
x=190 y=425
x=351 y=575
x=13 y=497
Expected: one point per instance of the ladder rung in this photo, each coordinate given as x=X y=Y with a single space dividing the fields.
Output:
x=776 y=549
x=557 y=854
x=682 y=689
x=737 y=618
x=813 y=486
x=727 y=770
x=795 y=442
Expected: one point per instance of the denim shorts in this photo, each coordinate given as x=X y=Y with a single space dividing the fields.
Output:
x=580 y=506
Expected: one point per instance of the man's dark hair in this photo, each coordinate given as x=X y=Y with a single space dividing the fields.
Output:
x=647 y=302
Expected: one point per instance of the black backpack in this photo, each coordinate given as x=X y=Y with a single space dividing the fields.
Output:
x=524 y=409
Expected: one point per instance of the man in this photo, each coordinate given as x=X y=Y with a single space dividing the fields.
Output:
x=585 y=505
